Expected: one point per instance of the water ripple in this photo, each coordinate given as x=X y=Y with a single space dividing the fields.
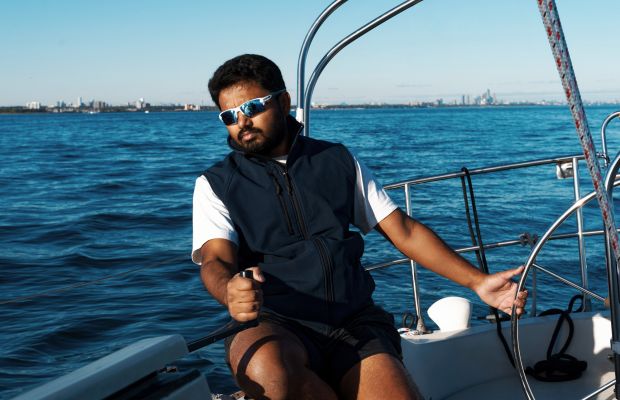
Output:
x=91 y=197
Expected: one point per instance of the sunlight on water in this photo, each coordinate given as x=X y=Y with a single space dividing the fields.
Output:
x=87 y=196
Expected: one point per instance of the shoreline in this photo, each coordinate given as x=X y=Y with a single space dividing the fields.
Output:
x=15 y=110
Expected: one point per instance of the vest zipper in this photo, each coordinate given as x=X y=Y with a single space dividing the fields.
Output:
x=287 y=217
x=296 y=207
x=329 y=268
x=318 y=242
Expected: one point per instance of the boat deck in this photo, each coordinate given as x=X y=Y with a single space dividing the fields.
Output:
x=472 y=364
x=510 y=388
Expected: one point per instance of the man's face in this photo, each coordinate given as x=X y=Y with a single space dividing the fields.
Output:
x=265 y=133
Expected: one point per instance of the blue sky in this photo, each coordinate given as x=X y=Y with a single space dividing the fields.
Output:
x=163 y=51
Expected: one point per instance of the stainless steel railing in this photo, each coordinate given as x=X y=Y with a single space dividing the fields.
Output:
x=528 y=238
x=303 y=107
x=572 y=170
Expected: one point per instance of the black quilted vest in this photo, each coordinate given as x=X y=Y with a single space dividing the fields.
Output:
x=293 y=222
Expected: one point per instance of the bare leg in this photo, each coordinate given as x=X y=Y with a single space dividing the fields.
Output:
x=380 y=376
x=269 y=362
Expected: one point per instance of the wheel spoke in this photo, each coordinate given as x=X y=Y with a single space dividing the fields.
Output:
x=569 y=283
x=600 y=390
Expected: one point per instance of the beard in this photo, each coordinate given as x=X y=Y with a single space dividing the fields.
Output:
x=262 y=144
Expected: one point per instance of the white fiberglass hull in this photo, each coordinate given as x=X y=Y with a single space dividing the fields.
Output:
x=472 y=363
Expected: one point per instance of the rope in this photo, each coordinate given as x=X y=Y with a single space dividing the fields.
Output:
x=87 y=283
x=555 y=34
x=551 y=20
x=476 y=240
x=560 y=367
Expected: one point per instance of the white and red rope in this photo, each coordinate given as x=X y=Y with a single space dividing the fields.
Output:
x=551 y=20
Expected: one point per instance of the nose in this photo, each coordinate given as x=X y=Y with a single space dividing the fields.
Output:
x=242 y=120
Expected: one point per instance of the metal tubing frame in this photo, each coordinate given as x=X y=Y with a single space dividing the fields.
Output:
x=341 y=45
x=303 y=53
x=581 y=244
x=534 y=294
x=485 y=170
x=506 y=243
x=604 y=134
x=613 y=274
x=569 y=283
x=420 y=326
x=600 y=390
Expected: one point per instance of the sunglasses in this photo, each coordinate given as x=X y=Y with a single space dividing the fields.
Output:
x=250 y=108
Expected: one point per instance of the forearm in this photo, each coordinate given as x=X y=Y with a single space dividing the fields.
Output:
x=422 y=245
x=219 y=265
x=215 y=275
x=426 y=248
x=242 y=296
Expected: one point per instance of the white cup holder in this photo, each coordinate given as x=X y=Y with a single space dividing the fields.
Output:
x=450 y=313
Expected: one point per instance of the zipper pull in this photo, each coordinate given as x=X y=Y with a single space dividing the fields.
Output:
x=276 y=184
x=287 y=179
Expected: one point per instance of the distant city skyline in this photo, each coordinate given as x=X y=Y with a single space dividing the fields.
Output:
x=118 y=52
x=485 y=98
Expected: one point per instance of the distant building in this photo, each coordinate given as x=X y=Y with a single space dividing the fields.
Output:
x=487 y=98
x=191 y=107
x=33 y=105
x=140 y=104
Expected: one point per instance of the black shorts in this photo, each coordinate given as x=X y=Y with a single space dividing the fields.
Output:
x=371 y=331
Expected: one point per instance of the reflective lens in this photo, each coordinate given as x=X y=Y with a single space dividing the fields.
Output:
x=228 y=117
x=250 y=108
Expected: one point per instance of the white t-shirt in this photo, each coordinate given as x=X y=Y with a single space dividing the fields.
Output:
x=211 y=219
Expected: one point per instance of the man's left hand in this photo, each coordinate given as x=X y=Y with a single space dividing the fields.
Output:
x=498 y=290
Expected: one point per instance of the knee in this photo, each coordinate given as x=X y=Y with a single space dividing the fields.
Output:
x=274 y=382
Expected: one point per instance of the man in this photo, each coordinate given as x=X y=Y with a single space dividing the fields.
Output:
x=280 y=204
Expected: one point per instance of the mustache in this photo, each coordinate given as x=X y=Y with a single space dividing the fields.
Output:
x=248 y=130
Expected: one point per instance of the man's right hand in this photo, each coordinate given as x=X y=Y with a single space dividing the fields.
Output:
x=244 y=296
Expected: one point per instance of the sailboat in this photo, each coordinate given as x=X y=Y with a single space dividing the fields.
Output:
x=569 y=353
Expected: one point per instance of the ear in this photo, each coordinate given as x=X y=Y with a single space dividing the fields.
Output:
x=285 y=103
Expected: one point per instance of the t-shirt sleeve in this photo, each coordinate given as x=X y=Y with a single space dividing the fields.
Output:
x=372 y=204
x=210 y=218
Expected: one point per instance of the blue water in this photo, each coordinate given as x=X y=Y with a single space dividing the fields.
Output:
x=84 y=197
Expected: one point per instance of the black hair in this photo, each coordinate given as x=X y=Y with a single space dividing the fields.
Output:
x=244 y=68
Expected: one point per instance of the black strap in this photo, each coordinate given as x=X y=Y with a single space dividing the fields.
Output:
x=476 y=240
x=559 y=367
